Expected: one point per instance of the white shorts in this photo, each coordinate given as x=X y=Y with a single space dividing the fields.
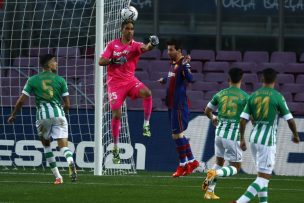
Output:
x=228 y=149
x=53 y=127
x=264 y=157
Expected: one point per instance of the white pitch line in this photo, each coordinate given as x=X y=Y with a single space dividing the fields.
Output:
x=144 y=185
x=154 y=176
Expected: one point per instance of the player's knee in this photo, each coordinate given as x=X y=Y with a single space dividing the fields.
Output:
x=145 y=92
x=45 y=143
x=116 y=114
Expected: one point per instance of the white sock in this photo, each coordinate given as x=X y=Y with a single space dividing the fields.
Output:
x=226 y=171
x=67 y=154
x=52 y=161
x=146 y=122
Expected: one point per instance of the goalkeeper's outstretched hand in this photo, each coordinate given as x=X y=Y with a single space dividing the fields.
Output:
x=154 y=40
x=120 y=61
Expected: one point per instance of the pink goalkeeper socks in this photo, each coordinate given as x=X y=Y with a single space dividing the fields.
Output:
x=147 y=108
x=115 y=129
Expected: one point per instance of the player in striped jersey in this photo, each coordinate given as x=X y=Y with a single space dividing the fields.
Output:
x=264 y=106
x=49 y=89
x=230 y=103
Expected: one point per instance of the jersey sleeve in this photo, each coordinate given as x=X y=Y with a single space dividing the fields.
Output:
x=64 y=88
x=214 y=102
x=283 y=108
x=137 y=46
x=28 y=88
x=187 y=72
x=247 y=111
x=108 y=52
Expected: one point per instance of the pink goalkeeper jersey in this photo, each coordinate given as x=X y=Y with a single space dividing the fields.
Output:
x=120 y=75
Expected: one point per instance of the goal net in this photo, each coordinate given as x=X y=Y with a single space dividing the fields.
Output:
x=30 y=28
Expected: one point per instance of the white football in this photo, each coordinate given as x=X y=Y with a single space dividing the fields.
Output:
x=129 y=13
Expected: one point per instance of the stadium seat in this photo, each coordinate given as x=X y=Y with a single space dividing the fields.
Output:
x=198 y=77
x=159 y=66
x=216 y=77
x=36 y=52
x=67 y=52
x=256 y=57
x=136 y=104
x=196 y=66
x=205 y=86
x=300 y=79
x=142 y=75
x=202 y=55
x=13 y=82
x=299 y=97
x=285 y=78
x=247 y=67
x=216 y=66
x=26 y=62
x=294 y=68
x=154 y=76
x=195 y=95
x=143 y=65
x=283 y=57
x=287 y=96
x=297 y=108
x=292 y=88
x=249 y=80
x=153 y=54
x=197 y=105
x=153 y=84
x=209 y=95
x=279 y=67
x=228 y=56
x=159 y=93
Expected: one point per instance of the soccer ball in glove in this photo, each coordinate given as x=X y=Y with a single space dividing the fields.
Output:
x=129 y=13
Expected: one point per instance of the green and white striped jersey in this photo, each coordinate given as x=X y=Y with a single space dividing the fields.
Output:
x=48 y=89
x=265 y=105
x=230 y=103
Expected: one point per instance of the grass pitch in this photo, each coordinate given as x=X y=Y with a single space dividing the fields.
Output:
x=147 y=187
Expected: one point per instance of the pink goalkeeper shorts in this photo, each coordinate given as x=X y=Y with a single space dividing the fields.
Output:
x=117 y=95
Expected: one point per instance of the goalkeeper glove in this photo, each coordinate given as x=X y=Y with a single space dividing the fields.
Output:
x=120 y=61
x=154 y=40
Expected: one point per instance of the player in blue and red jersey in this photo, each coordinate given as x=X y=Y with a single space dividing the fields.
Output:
x=177 y=101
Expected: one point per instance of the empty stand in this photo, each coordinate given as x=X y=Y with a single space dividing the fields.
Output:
x=283 y=57
x=256 y=56
x=229 y=56
x=202 y=55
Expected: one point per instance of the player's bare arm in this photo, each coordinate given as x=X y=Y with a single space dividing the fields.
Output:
x=154 y=41
x=293 y=128
x=211 y=116
x=17 y=108
x=243 y=123
x=66 y=104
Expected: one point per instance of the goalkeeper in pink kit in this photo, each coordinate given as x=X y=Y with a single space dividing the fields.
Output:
x=121 y=56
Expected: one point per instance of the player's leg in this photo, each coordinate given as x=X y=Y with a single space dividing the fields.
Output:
x=59 y=132
x=43 y=129
x=140 y=90
x=178 y=125
x=116 y=97
x=233 y=154
x=115 y=126
x=210 y=182
x=265 y=160
x=183 y=118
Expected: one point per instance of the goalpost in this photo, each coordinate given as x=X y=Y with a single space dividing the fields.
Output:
x=76 y=33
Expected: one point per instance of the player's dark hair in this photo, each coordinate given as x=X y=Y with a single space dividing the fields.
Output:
x=176 y=43
x=44 y=59
x=235 y=75
x=269 y=75
x=126 y=22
